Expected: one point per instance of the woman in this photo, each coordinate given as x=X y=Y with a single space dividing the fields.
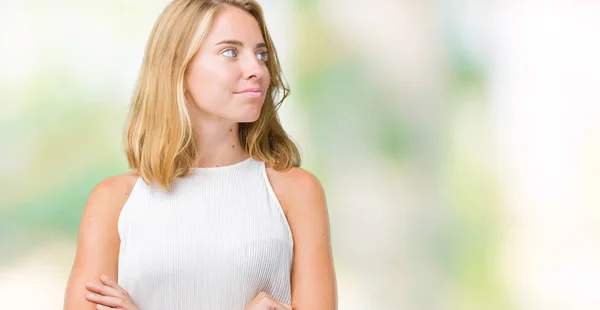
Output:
x=217 y=213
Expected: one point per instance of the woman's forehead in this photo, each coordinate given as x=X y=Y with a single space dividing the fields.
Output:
x=231 y=23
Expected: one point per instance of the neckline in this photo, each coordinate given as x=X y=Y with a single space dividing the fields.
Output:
x=221 y=168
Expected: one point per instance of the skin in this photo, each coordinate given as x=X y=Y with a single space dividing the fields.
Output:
x=217 y=75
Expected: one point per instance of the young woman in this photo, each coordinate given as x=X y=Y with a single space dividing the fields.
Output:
x=216 y=213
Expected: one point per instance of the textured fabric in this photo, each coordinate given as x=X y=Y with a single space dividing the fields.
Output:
x=214 y=242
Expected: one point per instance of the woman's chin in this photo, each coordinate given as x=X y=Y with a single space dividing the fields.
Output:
x=249 y=118
x=250 y=114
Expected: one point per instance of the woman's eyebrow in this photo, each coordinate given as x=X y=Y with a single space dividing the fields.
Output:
x=239 y=43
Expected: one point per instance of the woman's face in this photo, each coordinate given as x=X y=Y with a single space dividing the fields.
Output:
x=228 y=77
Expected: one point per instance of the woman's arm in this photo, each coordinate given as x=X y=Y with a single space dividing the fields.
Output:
x=98 y=241
x=313 y=276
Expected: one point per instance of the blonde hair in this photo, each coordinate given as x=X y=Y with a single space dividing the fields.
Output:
x=160 y=142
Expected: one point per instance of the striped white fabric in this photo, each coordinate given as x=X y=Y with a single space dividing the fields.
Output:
x=214 y=242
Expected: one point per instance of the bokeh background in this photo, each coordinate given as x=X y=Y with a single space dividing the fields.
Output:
x=458 y=142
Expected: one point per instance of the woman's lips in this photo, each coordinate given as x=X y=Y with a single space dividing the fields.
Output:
x=250 y=93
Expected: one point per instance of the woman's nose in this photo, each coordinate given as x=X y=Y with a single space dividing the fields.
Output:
x=253 y=67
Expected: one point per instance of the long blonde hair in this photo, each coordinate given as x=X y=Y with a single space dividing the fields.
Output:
x=160 y=142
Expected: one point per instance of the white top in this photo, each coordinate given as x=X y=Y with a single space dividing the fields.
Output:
x=214 y=242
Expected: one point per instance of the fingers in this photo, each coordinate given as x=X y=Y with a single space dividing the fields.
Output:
x=278 y=306
x=286 y=307
x=109 y=295
x=109 y=301
x=265 y=301
x=106 y=295
x=103 y=290
x=110 y=283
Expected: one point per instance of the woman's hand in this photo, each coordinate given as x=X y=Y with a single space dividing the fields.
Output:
x=109 y=295
x=263 y=301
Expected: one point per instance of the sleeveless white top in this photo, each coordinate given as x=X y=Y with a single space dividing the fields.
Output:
x=214 y=242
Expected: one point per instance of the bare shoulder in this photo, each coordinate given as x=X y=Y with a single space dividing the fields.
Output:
x=294 y=186
x=115 y=184
x=113 y=190
x=108 y=197
x=105 y=202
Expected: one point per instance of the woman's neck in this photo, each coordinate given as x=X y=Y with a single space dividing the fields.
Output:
x=218 y=145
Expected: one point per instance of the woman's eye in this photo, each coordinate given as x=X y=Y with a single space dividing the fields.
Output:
x=264 y=56
x=229 y=53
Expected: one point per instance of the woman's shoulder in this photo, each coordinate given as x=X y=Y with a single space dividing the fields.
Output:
x=116 y=184
x=109 y=195
x=293 y=175
x=293 y=185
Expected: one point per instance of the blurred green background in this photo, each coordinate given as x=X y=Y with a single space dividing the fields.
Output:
x=458 y=142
